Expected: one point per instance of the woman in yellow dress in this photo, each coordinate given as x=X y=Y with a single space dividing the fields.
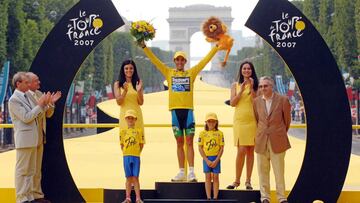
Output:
x=242 y=93
x=129 y=93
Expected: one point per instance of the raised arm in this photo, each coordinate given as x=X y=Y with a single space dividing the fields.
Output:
x=156 y=61
x=201 y=65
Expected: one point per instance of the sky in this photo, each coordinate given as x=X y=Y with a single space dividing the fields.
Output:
x=157 y=11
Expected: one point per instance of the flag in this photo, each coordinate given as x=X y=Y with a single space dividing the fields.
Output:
x=109 y=92
x=291 y=87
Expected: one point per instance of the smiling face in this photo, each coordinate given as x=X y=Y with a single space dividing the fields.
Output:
x=180 y=63
x=265 y=86
x=246 y=71
x=23 y=84
x=129 y=70
x=34 y=83
x=130 y=121
x=211 y=123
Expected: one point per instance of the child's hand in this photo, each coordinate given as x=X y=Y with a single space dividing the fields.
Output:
x=214 y=163
x=209 y=163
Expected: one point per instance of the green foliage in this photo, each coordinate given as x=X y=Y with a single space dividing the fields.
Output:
x=15 y=36
x=311 y=10
x=3 y=29
x=345 y=42
x=32 y=40
x=357 y=24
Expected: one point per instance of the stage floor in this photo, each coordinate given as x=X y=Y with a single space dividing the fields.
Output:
x=96 y=162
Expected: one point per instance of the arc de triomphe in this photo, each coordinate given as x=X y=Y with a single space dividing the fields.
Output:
x=185 y=21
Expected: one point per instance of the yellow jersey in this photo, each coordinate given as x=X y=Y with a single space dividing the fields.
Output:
x=131 y=139
x=211 y=141
x=181 y=83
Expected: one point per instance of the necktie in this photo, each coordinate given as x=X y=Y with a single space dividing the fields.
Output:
x=27 y=99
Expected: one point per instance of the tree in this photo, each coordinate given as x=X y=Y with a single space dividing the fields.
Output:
x=326 y=12
x=346 y=42
x=15 y=36
x=357 y=24
x=4 y=4
x=99 y=64
x=311 y=10
x=32 y=39
x=299 y=4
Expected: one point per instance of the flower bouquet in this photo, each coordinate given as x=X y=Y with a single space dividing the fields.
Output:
x=142 y=31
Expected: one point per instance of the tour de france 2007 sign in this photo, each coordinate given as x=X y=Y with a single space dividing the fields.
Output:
x=83 y=28
x=285 y=29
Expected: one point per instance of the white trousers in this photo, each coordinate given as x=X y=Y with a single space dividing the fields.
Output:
x=28 y=174
x=278 y=163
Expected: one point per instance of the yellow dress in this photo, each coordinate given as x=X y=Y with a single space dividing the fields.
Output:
x=244 y=119
x=131 y=102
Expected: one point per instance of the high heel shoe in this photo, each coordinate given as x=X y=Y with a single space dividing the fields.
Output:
x=234 y=185
x=248 y=186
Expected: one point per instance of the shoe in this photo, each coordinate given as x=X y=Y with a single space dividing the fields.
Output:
x=233 y=185
x=126 y=201
x=265 y=201
x=180 y=177
x=192 y=177
x=42 y=200
x=284 y=201
x=248 y=186
x=139 y=201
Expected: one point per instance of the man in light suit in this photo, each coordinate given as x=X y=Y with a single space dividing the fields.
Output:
x=34 y=95
x=272 y=112
x=27 y=134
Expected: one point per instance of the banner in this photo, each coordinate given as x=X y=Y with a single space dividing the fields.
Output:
x=291 y=88
x=4 y=81
x=328 y=116
x=109 y=92
x=58 y=60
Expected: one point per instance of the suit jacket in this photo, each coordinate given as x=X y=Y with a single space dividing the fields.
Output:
x=273 y=126
x=24 y=117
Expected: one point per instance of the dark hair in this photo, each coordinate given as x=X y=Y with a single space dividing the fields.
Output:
x=240 y=77
x=135 y=77
x=216 y=126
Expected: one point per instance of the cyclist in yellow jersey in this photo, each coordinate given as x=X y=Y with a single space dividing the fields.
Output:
x=181 y=88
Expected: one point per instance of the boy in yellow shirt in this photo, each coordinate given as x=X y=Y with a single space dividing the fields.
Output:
x=132 y=142
x=211 y=148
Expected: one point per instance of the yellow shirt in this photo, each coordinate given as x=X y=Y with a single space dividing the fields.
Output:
x=211 y=140
x=131 y=139
x=181 y=83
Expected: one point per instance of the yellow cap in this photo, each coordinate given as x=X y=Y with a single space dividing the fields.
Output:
x=211 y=116
x=130 y=113
x=180 y=53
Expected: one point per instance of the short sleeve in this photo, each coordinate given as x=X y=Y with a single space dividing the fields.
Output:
x=142 y=137
x=122 y=135
x=222 y=142
x=201 y=139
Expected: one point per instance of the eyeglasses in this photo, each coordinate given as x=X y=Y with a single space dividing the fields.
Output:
x=263 y=86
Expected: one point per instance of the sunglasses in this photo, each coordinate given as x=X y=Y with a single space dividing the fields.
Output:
x=263 y=86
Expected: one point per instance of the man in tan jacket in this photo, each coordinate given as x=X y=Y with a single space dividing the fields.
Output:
x=272 y=112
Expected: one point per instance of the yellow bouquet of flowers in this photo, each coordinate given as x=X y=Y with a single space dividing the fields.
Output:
x=142 y=31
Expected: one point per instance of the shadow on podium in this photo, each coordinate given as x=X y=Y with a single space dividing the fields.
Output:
x=183 y=192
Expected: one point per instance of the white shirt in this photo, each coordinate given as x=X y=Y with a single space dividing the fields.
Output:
x=268 y=103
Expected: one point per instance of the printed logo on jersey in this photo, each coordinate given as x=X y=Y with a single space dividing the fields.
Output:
x=180 y=84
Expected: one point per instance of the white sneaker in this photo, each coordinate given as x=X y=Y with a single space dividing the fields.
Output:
x=192 y=177
x=179 y=177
